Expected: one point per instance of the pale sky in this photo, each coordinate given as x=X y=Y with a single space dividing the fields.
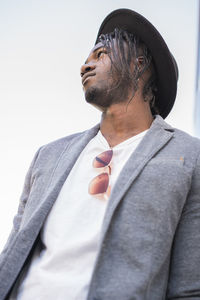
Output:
x=42 y=46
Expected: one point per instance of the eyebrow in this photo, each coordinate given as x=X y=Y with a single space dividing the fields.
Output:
x=94 y=50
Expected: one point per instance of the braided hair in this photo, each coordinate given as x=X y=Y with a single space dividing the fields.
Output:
x=122 y=57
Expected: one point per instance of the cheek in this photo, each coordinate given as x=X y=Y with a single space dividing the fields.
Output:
x=106 y=77
x=104 y=65
x=112 y=75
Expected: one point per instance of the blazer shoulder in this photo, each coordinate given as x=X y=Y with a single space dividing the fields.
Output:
x=53 y=149
x=187 y=139
x=181 y=143
x=62 y=142
x=179 y=135
x=187 y=145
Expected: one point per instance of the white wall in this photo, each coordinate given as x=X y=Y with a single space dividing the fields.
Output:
x=42 y=46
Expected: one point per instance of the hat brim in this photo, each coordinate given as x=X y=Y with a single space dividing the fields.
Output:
x=164 y=63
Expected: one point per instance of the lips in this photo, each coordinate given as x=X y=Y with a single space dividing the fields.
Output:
x=85 y=76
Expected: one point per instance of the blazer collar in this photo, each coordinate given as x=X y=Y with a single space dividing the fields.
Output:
x=157 y=136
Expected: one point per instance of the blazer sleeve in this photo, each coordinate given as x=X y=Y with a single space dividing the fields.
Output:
x=22 y=203
x=184 y=275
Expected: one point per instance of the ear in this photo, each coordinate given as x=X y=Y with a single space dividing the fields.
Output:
x=140 y=62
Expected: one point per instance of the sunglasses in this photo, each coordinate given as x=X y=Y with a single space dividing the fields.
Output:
x=100 y=184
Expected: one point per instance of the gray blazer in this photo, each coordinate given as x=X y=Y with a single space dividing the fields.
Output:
x=150 y=240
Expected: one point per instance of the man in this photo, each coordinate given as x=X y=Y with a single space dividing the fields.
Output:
x=113 y=212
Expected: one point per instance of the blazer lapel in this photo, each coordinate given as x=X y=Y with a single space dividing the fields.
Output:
x=156 y=138
x=64 y=165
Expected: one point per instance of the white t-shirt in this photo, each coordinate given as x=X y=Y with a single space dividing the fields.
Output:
x=72 y=230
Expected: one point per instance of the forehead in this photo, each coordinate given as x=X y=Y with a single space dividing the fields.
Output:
x=100 y=45
x=94 y=49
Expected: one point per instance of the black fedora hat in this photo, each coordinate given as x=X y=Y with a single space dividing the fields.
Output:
x=164 y=62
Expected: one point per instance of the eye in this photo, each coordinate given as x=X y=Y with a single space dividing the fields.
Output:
x=101 y=52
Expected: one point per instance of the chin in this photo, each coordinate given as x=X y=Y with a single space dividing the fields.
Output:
x=97 y=97
x=102 y=97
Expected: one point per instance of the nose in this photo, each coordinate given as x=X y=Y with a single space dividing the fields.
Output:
x=86 y=68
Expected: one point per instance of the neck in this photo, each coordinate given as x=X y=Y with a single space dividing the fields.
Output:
x=121 y=121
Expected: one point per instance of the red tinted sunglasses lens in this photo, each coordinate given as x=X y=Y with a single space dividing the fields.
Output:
x=99 y=184
x=103 y=159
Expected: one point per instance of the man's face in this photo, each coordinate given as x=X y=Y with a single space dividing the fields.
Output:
x=99 y=83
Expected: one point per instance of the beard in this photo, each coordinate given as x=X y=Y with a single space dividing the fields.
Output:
x=98 y=97
x=106 y=94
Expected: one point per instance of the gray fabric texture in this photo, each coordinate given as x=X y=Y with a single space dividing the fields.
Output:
x=150 y=239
